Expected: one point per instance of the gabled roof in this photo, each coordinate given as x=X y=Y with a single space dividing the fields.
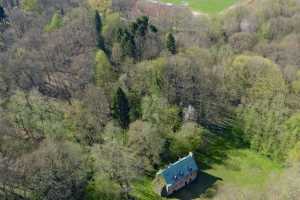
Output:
x=179 y=169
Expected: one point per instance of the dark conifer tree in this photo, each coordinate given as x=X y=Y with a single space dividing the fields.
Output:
x=120 y=108
x=143 y=23
x=2 y=14
x=171 y=43
x=134 y=27
x=128 y=44
x=153 y=28
x=98 y=24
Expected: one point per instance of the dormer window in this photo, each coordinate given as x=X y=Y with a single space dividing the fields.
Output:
x=181 y=173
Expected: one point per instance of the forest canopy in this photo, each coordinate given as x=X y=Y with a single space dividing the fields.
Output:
x=96 y=95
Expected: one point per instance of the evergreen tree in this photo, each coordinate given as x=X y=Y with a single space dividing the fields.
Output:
x=128 y=44
x=153 y=28
x=98 y=24
x=2 y=14
x=121 y=108
x=171 y=43
x=143 y=23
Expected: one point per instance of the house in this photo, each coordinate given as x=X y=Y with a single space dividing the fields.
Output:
x=178 y=175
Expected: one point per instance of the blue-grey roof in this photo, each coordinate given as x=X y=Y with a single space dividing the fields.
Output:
x=179 y=169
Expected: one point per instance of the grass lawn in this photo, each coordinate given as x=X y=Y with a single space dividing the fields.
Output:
x=245 y=168
x=242 y=168
x=224 y=161
x=206 y=6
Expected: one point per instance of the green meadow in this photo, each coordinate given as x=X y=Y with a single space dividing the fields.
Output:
x=206 y=6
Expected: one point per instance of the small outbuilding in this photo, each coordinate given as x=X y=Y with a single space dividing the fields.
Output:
x=178 y=175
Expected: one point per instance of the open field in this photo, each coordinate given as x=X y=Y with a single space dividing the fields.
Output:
x=245 y=168
x=206 y=6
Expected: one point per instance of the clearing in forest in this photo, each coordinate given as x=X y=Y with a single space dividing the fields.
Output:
x=242 y=169
x=226 y=162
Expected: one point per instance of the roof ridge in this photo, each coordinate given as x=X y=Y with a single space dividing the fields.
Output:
x=183 y=166
x=181 y=159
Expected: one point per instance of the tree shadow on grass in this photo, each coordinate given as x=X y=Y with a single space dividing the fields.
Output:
x=216 y=146
x=203 y=182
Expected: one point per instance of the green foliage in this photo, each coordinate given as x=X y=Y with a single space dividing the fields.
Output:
x=111 y=24
x=188 y=139
x=169 y=95
x=55 y=170
x=132 y=37
x=146 y=77
x=171 y=43
x=296 y=84
x=157 y=110
x=242 y=41
x=143 y=189
x=294 y=153
x=104 y=75
x=30 y=5
x=189 y=79
x=147 y=143
x=113 y=132
x=37 y=116
x=264 y=31
x=101 y=188
x=254 y=77
x=120 y=108
x=118 y=163
x=55 y=23
x=263 y=110
x=153 y=28
x=89 y=116
x=292 y=137
x=101 y=5
x=292 y=127
x=142 y=25
x=127 y=42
